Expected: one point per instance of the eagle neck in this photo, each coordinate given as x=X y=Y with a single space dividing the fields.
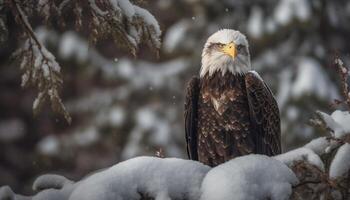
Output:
x=219 y=82
x=228 y=67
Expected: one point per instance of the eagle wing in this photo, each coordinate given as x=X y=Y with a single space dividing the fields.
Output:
x=264 y=115
x=191 y=116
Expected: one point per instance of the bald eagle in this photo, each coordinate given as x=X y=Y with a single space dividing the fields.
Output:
x=229 y=109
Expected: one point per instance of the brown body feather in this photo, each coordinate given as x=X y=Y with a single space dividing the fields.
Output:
x=228 y=116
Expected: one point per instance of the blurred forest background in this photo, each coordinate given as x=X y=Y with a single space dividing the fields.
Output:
x=124 y=106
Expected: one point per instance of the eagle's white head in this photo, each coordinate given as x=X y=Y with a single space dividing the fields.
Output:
x=226 y=51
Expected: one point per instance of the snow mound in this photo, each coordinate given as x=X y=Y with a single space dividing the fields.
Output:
x=168 y=178
x=6 y=193
x=338 y=121
x=50 y=181
x=158 y=178
x=319 y=145
x=250 y=177
x=51 y=194
x=301 y=154
x=341 y=162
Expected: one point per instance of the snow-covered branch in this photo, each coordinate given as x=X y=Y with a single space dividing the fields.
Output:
x=39 y=67
x=126 y=24
x=172 y=178
x=334 y=149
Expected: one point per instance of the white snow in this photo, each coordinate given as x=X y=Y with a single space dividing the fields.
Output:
x=147 y=121
x=51 y=60
x=86 y=136
x=44 y=66
x=50 y=181
x=52 y=145
x=38 y=58
x=333 y=15
x=149 y=19
x=287 y=10
x=174 y=35
x=320 y=145
x=283 y=12
x=72 y=46
x=270 y=25
x=341 y=163
x=46 y=70
x=255 y=26
x=158 y=76
x=6 y=193
x=96 y=8
x=312 y=80
x=126 y=7
x=292 y=113
x=252 y=177
x=301 y=154
x=302 y=9
x=342 y=118
x=130 y=11
x=338 y=121
x=38 y=100
x=285 y=79
x=164 y=179
x=25 y=76
x=161 y=178
x=117 y=116
x=49 y=145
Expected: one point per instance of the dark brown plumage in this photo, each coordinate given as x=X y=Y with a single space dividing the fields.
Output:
x=230 y=115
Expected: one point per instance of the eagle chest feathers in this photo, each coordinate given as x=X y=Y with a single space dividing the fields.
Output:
x=223 y=119
x=223 y=91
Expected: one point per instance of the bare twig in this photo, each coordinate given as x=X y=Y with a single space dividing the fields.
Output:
x=23 y=20
x=306 y=182
x=343 y=73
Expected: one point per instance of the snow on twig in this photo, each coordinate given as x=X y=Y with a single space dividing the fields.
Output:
x=343 y=73
x=128 y=25
x=40 y=68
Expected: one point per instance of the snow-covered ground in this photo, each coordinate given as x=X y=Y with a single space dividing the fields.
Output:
x=251 y=177
x=161 y=178
x=171 y=178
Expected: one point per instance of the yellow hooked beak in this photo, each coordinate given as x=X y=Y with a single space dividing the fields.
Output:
x=230 y=49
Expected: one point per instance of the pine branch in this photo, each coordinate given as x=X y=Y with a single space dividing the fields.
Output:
x=40 y=68
x=127 y=24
